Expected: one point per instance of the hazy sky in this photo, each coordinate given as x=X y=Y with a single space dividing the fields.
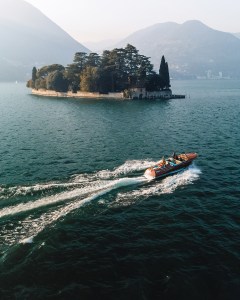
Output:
x=95 y=20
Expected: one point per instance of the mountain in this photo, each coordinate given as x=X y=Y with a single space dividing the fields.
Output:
x=237 y=34
x=192 y=49
x=100 y=46
x=29 y=38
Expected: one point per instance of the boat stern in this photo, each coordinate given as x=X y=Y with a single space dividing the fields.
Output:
x=150 y=174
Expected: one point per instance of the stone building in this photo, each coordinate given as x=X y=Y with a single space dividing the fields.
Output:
x=141 y=93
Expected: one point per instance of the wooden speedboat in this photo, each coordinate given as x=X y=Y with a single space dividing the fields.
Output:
x=171 y=165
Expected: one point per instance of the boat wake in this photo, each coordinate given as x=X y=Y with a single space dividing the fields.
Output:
x=159 y=187
x=27 y=210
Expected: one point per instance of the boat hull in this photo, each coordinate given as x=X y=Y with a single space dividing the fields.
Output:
x=170 y=166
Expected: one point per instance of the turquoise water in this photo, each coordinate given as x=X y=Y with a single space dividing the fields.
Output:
x=77 y=218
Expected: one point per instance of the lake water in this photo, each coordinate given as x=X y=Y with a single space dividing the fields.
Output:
x=79 y=221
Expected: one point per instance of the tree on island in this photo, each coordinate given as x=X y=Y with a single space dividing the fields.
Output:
x=52 y=77
x=34 y=75
x=89 y=79
x=57 y=81
x=118 y=70
x=164 y=74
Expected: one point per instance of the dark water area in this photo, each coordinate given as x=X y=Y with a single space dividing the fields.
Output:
x=79 y=221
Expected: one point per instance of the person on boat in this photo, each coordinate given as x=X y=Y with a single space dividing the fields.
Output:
x=163 y=161
x=175 y=156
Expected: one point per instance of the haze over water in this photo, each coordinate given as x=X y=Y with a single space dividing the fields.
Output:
x=77 y=217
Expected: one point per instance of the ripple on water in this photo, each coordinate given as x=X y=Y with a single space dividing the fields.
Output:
x=74 y=202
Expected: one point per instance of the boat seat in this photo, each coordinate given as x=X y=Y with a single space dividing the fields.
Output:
x=178 y=161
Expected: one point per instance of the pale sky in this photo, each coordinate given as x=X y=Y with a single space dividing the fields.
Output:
x=95 y=20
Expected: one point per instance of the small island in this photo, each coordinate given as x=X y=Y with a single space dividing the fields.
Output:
x=121 y=73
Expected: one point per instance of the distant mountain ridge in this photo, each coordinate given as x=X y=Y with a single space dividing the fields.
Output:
x=29 y=38
x=100 y=46
x=192 y=49
x=237 y=35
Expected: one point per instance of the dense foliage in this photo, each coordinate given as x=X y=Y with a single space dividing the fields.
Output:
x=115 y=71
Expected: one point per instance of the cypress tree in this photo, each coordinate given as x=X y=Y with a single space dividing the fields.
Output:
x=167 y=78
x=164 y=74
x=34 y=76
x=162 y=66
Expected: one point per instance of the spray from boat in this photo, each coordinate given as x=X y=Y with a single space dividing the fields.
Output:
x=35 y=215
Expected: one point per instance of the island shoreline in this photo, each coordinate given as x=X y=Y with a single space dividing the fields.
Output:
x=162 y=95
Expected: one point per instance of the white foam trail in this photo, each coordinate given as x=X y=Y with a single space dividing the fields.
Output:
x=115 y=185
x=81 y=179
x=28 y=240
x=128 y=167
x=164 y=186
x=31 y=205
x=25 y=190
x=188 y=176
x=92 y=187
x=23 y=207
x=34 y=228
x=167 y=185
